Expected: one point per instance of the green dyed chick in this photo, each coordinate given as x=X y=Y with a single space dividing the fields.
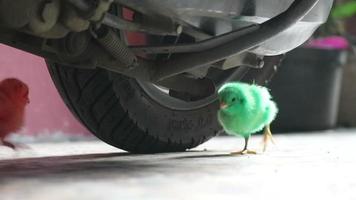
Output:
x=244 y=110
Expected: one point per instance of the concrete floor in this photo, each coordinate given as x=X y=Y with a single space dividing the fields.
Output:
x=299 y=166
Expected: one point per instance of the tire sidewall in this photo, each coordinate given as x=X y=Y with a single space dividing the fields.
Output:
x=161 y=121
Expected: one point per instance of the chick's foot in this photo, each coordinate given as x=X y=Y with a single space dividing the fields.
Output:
x=243 y=152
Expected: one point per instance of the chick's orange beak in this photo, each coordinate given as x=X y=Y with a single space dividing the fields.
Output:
x=223 y=105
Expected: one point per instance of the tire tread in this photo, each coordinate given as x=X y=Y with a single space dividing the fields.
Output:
x=88 y=94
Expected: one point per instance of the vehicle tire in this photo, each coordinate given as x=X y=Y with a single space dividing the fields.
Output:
x=119 y=112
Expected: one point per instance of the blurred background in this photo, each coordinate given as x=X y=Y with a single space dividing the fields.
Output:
x=47 y=117
x=315 y=86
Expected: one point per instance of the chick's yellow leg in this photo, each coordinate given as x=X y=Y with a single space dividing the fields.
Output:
x=267 y=136
x=245 y=150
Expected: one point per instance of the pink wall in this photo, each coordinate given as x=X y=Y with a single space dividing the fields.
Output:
x=46 y=112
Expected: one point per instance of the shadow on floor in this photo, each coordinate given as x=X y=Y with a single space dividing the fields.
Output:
x=87 y=165
x=100 y=165
x=206 y=156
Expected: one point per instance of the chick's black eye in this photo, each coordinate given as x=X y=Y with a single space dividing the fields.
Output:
x=241 y=101
x=233 y=99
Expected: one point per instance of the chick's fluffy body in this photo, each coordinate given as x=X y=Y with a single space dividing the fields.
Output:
x=249 y=108
x=13 y=100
